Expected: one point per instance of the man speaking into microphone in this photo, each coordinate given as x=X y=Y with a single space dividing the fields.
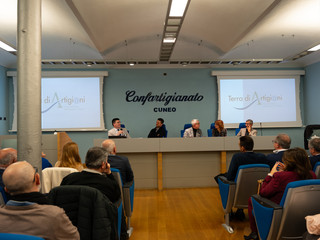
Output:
x=117 y=131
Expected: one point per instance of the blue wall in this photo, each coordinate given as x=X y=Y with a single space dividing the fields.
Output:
x=3 y=101
x=139 y=119
x=312 y=94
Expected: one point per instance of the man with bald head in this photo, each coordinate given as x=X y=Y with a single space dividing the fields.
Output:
x=28 y=212
x=119 y=162
x=7 y=157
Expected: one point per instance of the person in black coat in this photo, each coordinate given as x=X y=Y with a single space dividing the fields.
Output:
x=97 y=174
x=119 y=162
x=159 y=131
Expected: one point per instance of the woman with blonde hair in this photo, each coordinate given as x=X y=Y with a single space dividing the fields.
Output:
x=70 y=157
x=219 y=130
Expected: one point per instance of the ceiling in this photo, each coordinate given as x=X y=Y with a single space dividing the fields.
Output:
x=108 y=33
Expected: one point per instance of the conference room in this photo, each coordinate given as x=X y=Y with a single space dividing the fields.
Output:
x=82 y=64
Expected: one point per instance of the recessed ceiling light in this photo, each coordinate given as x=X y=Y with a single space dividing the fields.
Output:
x=169 y=40
x=7 y=47
x=177 y=8
x=131 y=63
x=316 y=48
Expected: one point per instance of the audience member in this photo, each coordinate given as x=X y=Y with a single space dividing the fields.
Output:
x=28 y=211
x=97 y=174
x=314 y=149
x=194 y=131
x=295 y=167
x=119 y=162
x=281 y=144
x=246 y=156
x=248 y=131
x=219 y=130
x=117 y=130
x=45 y=162
x=7 y=157
x=158 y=131
x=70 y=157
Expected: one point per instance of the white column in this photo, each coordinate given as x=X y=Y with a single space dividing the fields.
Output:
x=29 y=82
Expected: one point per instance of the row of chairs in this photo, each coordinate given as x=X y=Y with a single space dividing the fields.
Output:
x=274 y=221
x=52 y=178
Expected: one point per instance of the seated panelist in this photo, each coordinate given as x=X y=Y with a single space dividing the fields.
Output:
x=219 y=130
x=248 y=131
x=158 y=131
x=194 y=131
x=117 y=130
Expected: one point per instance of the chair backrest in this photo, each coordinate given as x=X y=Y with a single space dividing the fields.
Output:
x=186 y=126
x=88 y=209
x=241 y=125
x=165 y=129
x=117 y=175
x=3 y=196
x=52 y=177
x=316 y=169
x=301 y=198
x=212 y=126
x=247 y=182
x=14 y=236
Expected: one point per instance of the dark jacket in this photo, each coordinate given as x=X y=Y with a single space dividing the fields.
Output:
x=89 y=210
x=123 y=165
x=105 y=183
x=157 y=134
x=244 y=158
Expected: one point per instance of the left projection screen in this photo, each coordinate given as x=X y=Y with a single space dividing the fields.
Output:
x=69 y=104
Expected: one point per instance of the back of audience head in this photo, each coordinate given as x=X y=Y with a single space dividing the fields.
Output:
x=109 y=145
x=95 y=157
x=21 y=177
x=70 y=155
x=7 y=156
x=314 y=145
x=283 y=140
x=296 y=160
x=246 y=143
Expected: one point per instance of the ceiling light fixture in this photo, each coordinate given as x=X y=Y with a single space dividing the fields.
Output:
x=131 y=63
x=6 y=47
x=316 y=48
x=177 y=8
x=169 y=40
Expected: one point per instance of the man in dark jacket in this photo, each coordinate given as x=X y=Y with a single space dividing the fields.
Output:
x=119 y=162
x=158 y=131
x=97 y=174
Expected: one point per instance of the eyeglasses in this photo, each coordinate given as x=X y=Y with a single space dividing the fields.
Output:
x=274 y=141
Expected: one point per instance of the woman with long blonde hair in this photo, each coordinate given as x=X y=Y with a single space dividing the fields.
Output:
x=70 y=157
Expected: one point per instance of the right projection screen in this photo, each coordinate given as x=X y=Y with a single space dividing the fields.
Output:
x=270 y=101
